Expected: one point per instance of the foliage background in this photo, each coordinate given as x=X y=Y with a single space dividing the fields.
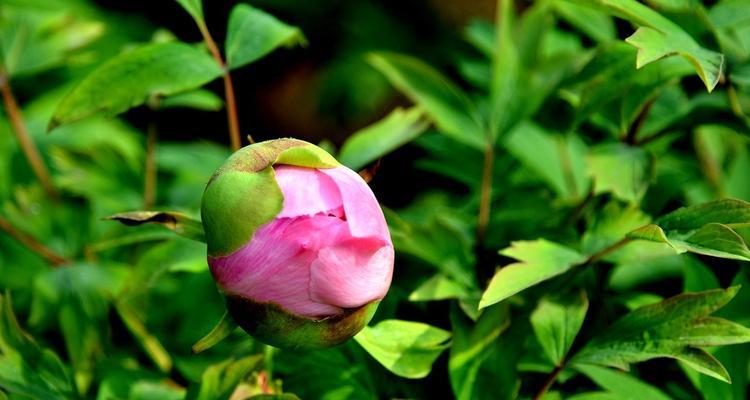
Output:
x=521 y=151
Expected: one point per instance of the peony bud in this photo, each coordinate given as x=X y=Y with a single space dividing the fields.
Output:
x=297 y=243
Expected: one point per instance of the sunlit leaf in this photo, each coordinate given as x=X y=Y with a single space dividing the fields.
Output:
x=253 y=33
x=675 y=328
x=556 y=322
x=658 y=37
x=622 y=170
x=539 y=260
x=621 y=384
x=405 y=348
x=445 y=103
x=194 y=8
x=130 y=79
x=382 y=137
x=705 y=229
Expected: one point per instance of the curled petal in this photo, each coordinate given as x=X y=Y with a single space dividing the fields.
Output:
x=352 y=272
x=363 y=213
x=306 y=191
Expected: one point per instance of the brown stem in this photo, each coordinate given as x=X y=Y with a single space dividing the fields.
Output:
x=485 y=195
x=32 y=244
x=232 y=118
x=24 y=139
x=149 y=180
x=551 y=378
x=605 y=252
x=632 y=136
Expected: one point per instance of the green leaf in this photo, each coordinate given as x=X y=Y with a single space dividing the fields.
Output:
x=623 y=170
x=200 y=99
x=556 y=159
x=132 y=78
x=506 y=71
x=539 y=260
x=704 y=229
x=374 y=141
x=26 y=369
x=674 y=328
x=405 y=348
x=444 y=102
x=177 y=222
x=194 y=8
x=658 y=37
x=223 y=328
x=253 y=33
x=439 y=287
x=220 y=380
x=556 y=322
x=625 y=386
x=593 y=23
x=148 y=342
x=473 y=346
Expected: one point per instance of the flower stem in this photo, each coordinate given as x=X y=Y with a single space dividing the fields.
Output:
x=232 y=118
x=551 y=378
x=149 y=179
x=485 y=195
x=24 y=139
x=32 y=244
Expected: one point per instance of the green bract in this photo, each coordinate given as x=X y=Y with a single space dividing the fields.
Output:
x=243 y=194
x=273 y=325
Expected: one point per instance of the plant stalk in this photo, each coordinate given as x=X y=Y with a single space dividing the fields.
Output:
x=24 y=139
x=232 y=118
x=149 y=179
x=485 y=195
x=551 y=378
x=32 y=244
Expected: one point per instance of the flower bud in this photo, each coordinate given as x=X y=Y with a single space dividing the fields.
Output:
x=297 y=243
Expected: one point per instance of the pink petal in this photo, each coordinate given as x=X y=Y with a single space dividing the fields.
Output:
x=352 y=273
x=306 y=191
x=362 y=210
x=275 y=266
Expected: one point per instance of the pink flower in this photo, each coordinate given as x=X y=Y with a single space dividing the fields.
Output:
x=326 y=252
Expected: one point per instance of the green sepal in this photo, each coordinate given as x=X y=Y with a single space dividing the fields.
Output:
x=243 y=194
x=271 y=324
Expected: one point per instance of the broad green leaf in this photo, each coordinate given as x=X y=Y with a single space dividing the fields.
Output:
x=556 y=322
x=132 y=78
x=622 y=384
x=220 y=380
x=506 y=71
x=374 y=141
x=705 y=229
x=339 y=373
x=146 y=390
x=539 y=260
x=620 y=169
x=36 y=38
x=472 y=347
x=444 y=102
x=200 y=99
x=439 y=287
x=730 y=14
x=611 y=224
x=26 y=369
x=194 y=8
x=674 y=328
x=253 y=33
x=593 y=23
x=658 y=37
x=405 y=348
x=556 y=159
x=437 y=234
x=179 y=223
